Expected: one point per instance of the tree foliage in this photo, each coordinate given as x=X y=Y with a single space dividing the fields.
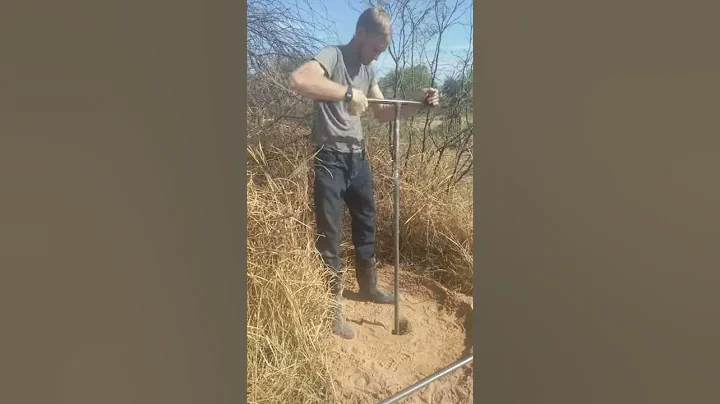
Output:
x=403 y=81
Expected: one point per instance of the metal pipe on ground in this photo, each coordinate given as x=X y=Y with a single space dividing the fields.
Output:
x=424 y=382
x=402 y=325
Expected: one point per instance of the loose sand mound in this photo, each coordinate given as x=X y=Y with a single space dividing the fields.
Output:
x=377 y=364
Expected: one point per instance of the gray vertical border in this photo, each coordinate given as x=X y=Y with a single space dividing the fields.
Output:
x=597 y=202
x=241 y=28
x=478 y=194
x=122 y=202
x=239 y=115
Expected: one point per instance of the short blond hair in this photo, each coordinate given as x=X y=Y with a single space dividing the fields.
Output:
x=375 y=20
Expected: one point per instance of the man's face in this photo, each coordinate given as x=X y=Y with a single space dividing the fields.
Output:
x=372 y=46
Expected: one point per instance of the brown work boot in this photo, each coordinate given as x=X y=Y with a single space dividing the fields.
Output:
x=340 y=327
x=366 y=274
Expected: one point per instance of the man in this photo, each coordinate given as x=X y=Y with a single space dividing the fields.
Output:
x=340 y=79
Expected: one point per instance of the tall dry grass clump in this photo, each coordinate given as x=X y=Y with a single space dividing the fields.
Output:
x=287 y=302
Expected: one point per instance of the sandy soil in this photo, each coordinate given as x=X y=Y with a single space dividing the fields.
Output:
x=377 y=364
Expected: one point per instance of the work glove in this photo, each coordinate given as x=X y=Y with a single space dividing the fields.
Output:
x=358 y=104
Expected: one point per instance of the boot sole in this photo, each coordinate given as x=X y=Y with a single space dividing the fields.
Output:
x=378 y=300
x=351 y=335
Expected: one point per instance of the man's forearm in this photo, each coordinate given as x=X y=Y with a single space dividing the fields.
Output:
x=320 y=89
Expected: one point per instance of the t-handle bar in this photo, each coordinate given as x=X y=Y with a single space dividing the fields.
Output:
x=395 y=102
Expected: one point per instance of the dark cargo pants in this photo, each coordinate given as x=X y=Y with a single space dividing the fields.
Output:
x=344 y=178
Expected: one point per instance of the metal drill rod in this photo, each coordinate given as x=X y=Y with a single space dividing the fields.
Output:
x=396 y=147
x=396 y=176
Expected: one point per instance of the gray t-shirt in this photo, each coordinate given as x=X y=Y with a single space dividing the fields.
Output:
x=334 y=128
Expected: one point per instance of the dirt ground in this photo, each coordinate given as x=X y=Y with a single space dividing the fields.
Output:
x=377 y=364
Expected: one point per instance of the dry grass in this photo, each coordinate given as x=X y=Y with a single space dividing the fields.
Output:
x=287 y=302
x=288 y=305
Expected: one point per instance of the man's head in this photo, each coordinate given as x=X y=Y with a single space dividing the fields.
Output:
x=372 y=34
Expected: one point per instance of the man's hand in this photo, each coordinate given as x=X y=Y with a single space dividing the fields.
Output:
x=358 y=104
x=430 y=96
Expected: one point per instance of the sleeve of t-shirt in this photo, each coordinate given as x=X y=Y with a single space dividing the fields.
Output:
x=327 y=57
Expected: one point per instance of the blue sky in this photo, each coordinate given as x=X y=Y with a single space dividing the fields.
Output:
x=343 y=18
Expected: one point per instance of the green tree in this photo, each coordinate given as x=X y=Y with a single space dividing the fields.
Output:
x=403 y=81
x=457 y=98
